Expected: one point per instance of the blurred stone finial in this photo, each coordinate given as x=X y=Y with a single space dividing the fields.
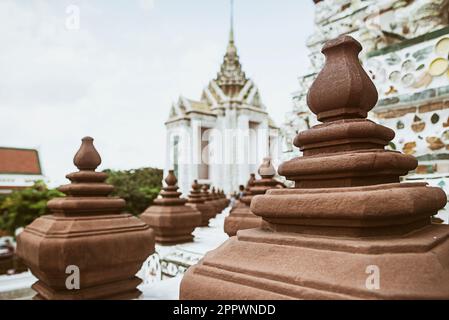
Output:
x=266 y=169
x=196 y=185
x=171 y=179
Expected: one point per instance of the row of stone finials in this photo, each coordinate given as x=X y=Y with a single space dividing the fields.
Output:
x=347 y=211
x=202 y=205
x=88 y=221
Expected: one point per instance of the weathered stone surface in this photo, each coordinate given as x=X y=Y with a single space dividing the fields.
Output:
x=86 y=230
x=197 y=202
x=348 y=220
x=172 y=220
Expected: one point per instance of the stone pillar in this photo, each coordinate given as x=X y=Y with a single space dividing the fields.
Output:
x=197 y=201
x=86 y=235
x=241 y=217
x=349 y=229
x=173 y=222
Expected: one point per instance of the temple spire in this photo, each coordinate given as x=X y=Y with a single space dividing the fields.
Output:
x=231 y=33
x=231 y=78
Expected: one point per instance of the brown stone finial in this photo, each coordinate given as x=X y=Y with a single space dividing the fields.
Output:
x=342 y=89
x=241 y=217
x=172 y=220
x=266 y=170
x=171 y=179
x=86 y=229
x=217 y=201
x=87 y=158
x=348 y=215
x=250 y=182
x=198 y=202
x=209 y=198
x=223 y=199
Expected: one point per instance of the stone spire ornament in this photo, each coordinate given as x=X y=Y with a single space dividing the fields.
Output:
x=86 y=233
x=223 y=198
x=246 y=192
x=196 y=201
x=349 y=229
x=172 y=220
x=209 y=199
x=216 y=199
x=241 y=217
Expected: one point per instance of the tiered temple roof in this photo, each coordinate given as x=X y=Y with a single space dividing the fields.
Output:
x=230 y=85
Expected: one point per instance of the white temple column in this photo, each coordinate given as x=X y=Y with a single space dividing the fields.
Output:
x=243 y=150
x=263 y=135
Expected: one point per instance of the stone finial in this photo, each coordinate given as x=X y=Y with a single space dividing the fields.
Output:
x=198 y=202
x=196 y=186
x=250 y=182
x=87 y=158
x=266 y=170
x=241 y=217
x=83 y=230
x=172 y=220
x=342 y=89
x=171 y=179
x=195 y=195
x=216 y=201
x=207 y=195
x=347 y=212
x=222 y=197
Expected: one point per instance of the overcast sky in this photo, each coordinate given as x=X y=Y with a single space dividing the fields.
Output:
x=115 y=77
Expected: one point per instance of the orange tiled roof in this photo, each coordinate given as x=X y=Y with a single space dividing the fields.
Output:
x=19 y=161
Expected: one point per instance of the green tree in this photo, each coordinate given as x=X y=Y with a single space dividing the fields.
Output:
x=138 y=187
x=22 y=207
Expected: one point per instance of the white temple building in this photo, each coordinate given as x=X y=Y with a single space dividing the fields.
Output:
x=221 y=138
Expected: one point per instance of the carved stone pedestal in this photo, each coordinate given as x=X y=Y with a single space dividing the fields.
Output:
x=86 y=235
x=241 y=217
x=172 y=220
x=210 y=199
x=349 y=229
x=197 y=202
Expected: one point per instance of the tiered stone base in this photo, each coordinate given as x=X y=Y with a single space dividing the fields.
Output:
x=172 y=224
x=307 y=251
x=108 y=250
x=207 y=212
x=241 y=218
x=301 y=267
